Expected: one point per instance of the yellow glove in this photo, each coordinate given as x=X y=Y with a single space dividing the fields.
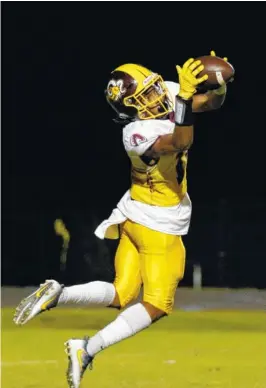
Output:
x=214 y=55
x=188 y=78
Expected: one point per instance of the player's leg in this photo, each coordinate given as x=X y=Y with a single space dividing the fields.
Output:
x=81 y=352
x=51 y=293
x=162 y=261
x=127 y=270
x=162 y=267
x=140 y=315
x=127 y=284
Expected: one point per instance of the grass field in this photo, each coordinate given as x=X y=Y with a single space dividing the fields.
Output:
x=188 y=350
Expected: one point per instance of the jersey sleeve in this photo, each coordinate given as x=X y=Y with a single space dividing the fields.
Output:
x=173 y=88
x=139 y=136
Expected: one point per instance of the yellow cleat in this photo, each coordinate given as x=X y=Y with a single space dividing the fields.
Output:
x=45 y=298
x=78 y=360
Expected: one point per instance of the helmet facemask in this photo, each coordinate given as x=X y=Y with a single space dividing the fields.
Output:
x=153 y=101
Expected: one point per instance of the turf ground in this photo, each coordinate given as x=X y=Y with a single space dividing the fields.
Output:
x=224 y=349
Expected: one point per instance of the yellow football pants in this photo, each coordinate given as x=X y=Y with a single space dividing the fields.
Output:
x=153 y=259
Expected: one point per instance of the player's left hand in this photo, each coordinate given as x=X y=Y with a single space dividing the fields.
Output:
x=188 y=80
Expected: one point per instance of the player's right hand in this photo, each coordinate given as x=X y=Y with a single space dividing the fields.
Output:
x=188 y=78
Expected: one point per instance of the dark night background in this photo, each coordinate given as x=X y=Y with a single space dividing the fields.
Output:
x=62 y=156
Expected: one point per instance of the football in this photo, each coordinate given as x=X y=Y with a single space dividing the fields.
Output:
x=218 y=71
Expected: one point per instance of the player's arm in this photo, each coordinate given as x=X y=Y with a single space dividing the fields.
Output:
x=182 y=137
x=180 y=140
x=211 y=100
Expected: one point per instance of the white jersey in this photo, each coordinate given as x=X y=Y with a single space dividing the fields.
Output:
x=138 y=137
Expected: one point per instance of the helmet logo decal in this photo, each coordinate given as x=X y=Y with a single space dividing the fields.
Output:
x=115 y=89
x=148 y=79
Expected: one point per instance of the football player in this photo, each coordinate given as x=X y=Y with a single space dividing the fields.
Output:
x=151 y=218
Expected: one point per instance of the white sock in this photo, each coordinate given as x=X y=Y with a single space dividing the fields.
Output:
x=127 y=324
x=101 y=293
